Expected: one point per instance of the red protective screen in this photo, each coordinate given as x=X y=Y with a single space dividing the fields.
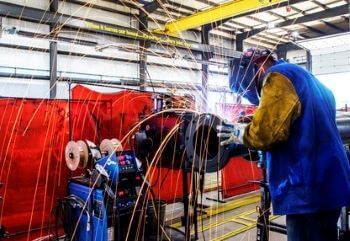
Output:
x=239 y=174
x=126 y=110
x=34 y=133
x=237 y=177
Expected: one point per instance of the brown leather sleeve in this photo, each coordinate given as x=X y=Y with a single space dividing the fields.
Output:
x=279 y=108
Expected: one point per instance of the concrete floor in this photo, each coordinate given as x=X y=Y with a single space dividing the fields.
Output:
x=222 y=224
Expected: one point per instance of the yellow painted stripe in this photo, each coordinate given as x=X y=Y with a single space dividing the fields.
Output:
x=236 y=220
x=238 y=231
x=231 y=205
x=247 y=218
x=216 y=223
x=214 y=210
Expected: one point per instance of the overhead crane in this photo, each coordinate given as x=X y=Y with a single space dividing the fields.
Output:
x=214 y=14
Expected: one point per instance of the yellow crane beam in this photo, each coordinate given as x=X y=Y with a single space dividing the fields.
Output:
x=214 y=14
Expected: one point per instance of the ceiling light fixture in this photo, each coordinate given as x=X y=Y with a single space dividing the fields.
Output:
x=271 y=25
x=295 y=34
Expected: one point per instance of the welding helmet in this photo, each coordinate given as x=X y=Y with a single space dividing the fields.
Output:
x=243 y=74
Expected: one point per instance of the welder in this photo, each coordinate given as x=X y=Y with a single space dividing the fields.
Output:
x=308 y=170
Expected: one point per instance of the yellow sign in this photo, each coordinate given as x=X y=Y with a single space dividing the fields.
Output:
x=124 y=32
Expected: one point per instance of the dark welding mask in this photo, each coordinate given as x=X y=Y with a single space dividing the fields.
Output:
x=244 y=79
x=241 y=79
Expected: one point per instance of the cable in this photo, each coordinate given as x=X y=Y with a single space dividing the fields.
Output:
x=201 y=189
x=64 y=210
x=159 y=221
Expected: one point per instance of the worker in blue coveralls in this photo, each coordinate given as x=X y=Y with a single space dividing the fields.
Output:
x=308 y=170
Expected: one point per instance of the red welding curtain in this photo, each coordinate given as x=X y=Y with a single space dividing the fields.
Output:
x=34 y=134
x=32 y=171
x=237 y=177
x=127 y=107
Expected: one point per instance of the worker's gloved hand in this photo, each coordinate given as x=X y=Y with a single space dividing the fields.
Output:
x=230 y=133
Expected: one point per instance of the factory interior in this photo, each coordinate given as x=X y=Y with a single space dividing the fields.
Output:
x=176 y=120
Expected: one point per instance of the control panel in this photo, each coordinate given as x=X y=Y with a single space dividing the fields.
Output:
x=126 y=162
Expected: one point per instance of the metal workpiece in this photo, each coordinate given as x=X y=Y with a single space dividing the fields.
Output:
x=343 y=124
x=203 y=146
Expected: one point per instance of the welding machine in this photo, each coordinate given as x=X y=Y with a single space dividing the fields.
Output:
x=106 y=203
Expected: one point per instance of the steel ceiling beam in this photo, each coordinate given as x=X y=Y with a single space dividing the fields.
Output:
x=328 y=34
x=333 y=12
x=48 y=17
x=213 y=4
x=177 y=6
x=312 y=29
x=13 y=10
x=320 y=4
x=263 y=9
x=316 y=30
x=331 y=25
x=298 y=10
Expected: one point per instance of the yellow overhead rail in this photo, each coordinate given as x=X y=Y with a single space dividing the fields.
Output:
x=211 y=15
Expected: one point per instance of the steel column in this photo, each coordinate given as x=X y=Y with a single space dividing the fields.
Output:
x=239 y=42
x=144 y=44
x=143 y=24
x=281 y=52
x=205 y=67
x=282 y=49
x=308 y=60
x=53 y=51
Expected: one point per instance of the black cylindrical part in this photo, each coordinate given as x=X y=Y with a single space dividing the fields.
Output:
x=343 y=124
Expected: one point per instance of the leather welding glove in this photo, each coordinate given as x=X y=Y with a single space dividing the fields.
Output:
x=230 y=133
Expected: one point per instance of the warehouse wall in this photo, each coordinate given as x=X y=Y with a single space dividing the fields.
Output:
x=332 y=60
x=332 y=67
x=30 y=58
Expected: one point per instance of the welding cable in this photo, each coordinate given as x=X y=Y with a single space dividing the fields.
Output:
x=149 y=186
x=155 y=214
x=154 y=197
x=65 y=208
x=201 y=189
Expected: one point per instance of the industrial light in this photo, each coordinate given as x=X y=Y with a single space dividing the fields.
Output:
x=10 y=30
x=295 y=34
x=271 y=25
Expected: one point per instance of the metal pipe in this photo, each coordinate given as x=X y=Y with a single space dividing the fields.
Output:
x=343 y=124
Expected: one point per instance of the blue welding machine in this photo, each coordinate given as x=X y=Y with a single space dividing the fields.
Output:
x=92 y=224
x=104 y=202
